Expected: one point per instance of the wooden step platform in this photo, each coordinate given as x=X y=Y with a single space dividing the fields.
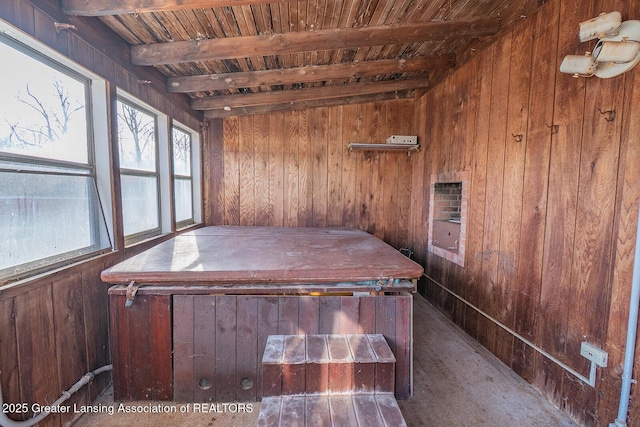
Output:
x=327 y=363
x=348 y=410
x=329 y=380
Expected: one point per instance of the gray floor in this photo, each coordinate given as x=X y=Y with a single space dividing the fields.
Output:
x=456 y=383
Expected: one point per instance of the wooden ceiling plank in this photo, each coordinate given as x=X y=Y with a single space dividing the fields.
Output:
x=325 y=92
x=121 y=7
x=289 y=76
x=306 y=41
x=304 y=105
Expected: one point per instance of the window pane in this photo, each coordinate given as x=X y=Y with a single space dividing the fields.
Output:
x=184 y=203
x=139 y=203
x=137 y=138
x=43 y=110
x=43 y=215
x=181 y=152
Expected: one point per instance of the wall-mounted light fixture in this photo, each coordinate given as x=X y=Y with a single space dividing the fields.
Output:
x=616 y=52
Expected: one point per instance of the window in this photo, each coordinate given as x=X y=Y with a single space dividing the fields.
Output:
x=139 y=171
x=447 y=216
x=183 y=176
x=54 y=195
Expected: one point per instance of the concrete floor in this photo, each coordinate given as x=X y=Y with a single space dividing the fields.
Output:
x=456 y=383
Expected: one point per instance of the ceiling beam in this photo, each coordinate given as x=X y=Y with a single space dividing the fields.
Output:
x=227 y=102
x=287 y=76
x=305 y=105
x=119 y=7
x=306 y=41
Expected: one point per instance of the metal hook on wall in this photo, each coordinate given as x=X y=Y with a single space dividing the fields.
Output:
x=609 y=115
x=518 y=137
x=554 y=129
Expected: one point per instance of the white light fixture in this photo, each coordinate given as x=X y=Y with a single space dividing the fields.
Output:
x=617 y=50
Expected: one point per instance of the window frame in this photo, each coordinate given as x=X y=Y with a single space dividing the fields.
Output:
x=97 y=167
x=193 y=178
x=162 y=172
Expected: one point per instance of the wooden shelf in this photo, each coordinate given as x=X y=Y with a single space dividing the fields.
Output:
x=409 y=148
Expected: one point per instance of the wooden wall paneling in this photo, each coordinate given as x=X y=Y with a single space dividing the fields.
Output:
x=263 y=206
x=204 y=348
x=534 y=201
x=335 y=160
x=389 y=176
x=350 y=161
x=69 y=327
x=404 y=339
x=247 y=158
x=405 y=126
x=10 y=375
x=484 y=189
x=367 y=315
x=328 y=318
x=37 y=349
x=305 y=165
x=277 y=167
x=292 y=156
x=213 y=172
x=554 y=308
x=226 y=329
x=591 y=269
x=96 y=323
x=318 y=127
x=232 y=170
x=477 y=193
x=308 y=315
x=459 y=92
x=349 y=315
x=138 y=337
x=183 y=348
x=625 y=229
x=59 y=40
x=267 y=325
x=379 y=166
x=160 y=340
x=496 y=295
x=419 y=206
x=288 y=317
x=118 y=349
x=363 y=170
x=513 y=180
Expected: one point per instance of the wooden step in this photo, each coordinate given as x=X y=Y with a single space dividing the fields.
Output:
x=324 y=410
x=327 y=363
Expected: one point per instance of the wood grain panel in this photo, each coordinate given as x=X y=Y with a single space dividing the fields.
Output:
x=230 y=334
x=69 y=324
x=551 y=221
x=539 y=134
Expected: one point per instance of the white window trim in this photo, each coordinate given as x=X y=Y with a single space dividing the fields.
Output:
x=196 y=174
x=100 y=144
x=164 y=165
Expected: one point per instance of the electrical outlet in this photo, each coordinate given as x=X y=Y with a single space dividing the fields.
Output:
x=593 y=353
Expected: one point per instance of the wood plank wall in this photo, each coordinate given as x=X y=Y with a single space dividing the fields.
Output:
x=54 y=329
x=554 y=197
x=293 y=169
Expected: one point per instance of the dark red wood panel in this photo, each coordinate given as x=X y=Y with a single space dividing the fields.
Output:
x=248 y=359
x=183 y=345
x=219 y=341
x=204 y=348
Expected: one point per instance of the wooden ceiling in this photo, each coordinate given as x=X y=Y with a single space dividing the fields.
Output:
x=238 y=57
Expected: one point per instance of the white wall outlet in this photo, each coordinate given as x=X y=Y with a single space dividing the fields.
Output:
x=594 y=354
